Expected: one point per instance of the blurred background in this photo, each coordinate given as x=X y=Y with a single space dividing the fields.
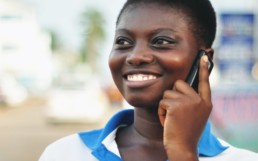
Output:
x=55 y=80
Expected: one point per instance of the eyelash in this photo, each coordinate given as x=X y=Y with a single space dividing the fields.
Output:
x=123 y=40
x=158 y=42
x=161 y=42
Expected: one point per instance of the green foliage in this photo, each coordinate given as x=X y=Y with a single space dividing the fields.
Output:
x=55 y=41
x=94 y=33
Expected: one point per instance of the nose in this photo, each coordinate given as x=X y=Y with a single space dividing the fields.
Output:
x=140 y=55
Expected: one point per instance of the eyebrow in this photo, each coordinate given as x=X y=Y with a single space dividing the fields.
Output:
x=123 y=30
x=156 y=31
x=163 y=29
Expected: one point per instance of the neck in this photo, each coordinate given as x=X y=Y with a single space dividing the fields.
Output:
x=144 y=138
x=147 y=124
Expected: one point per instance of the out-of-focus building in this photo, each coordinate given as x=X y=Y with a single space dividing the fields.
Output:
x=25 y=53
x=236 y=42
x=235 y=95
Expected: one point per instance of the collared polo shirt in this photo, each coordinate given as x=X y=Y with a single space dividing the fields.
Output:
x=100 y=145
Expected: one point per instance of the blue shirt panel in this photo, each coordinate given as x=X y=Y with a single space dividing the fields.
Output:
x=208 y=146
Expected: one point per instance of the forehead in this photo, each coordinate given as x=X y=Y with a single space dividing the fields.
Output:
x=153 y=15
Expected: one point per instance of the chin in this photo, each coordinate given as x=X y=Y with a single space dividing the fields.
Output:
x=139 y=103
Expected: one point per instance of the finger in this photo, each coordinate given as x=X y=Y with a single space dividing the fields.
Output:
x=204 y=84
x=183 y=87
x=171 y=94
x=164 y=106
x=162 y=113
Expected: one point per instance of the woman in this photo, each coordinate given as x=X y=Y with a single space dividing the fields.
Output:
x=155 y=45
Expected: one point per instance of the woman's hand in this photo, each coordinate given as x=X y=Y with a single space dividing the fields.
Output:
x=183 y=114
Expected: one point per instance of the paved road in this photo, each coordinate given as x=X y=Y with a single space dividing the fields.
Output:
x=24 y=132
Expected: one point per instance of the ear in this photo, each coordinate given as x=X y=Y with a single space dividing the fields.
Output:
x=210 y=52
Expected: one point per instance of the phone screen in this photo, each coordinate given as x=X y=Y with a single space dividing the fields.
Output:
x=193 y=76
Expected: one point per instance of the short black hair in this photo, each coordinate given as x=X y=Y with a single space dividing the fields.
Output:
x=200 y=13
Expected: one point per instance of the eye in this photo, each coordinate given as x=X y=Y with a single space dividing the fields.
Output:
x=162 y=42
x=122 y=41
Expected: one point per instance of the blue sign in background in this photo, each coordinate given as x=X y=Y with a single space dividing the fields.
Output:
x=235 y=112
x=236 y=47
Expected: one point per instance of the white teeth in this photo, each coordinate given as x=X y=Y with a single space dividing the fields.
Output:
x=140 y=77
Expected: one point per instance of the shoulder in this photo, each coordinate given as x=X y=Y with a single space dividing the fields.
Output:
x=66 y=149
x=233 y=154
x=79 y=146
x=239 y=154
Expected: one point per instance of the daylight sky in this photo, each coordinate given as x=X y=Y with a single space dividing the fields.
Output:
x=63 y=16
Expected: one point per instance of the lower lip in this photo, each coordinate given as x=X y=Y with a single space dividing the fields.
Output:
x=140 y=84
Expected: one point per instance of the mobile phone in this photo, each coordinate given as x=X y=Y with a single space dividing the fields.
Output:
x=193 y=76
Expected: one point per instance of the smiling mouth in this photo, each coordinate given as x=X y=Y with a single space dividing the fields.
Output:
x=140 y=77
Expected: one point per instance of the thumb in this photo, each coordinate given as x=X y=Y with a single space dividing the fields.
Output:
x=204 y=84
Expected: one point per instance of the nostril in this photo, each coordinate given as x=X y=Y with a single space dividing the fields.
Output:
x=133 y=61
x=139 y=59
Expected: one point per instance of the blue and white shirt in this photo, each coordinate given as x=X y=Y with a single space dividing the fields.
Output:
x=100 y=145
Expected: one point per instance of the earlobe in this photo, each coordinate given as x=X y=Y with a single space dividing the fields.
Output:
x=210 y=52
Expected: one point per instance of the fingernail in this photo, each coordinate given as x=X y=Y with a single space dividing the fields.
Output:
x=205 y=59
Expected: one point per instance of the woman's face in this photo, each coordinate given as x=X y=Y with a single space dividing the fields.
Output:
x=153 y=47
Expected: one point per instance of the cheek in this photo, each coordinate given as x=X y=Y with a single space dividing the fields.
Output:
x=177 y=67
x=116 y=63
